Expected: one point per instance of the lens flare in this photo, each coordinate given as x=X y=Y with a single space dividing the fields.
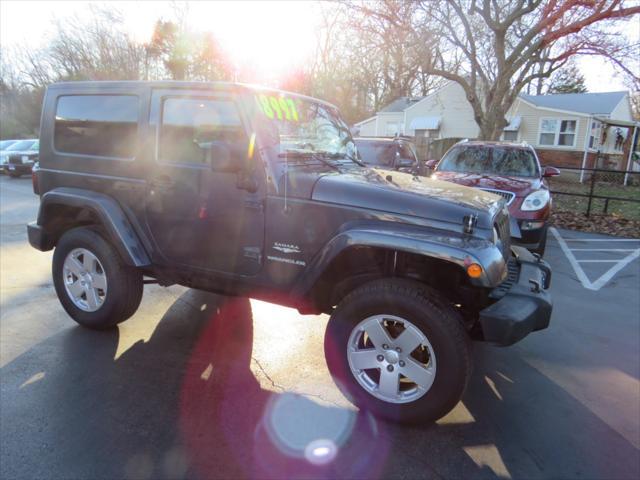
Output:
x=321 y=452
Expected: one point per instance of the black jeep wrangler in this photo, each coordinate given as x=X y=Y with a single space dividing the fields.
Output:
x=245 y=191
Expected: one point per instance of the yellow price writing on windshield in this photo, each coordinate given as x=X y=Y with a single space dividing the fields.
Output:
x=276 y=107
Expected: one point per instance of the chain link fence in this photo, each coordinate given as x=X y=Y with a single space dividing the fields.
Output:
x=600 y=191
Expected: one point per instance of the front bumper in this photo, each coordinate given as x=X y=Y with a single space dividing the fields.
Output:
x=523 y=303
x=533 y=236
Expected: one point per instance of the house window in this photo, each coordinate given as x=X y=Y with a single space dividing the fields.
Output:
x=510 y=136
x=557 y=132
x=430 y=134
x=567 y=133
x=548 y=129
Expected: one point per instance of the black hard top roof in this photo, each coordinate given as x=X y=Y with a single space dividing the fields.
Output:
x=179 y=84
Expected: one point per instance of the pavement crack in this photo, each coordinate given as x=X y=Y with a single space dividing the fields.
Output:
x=283 y=389
x=264 y=372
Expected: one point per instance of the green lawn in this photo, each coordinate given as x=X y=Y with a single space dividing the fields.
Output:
x=629 y=210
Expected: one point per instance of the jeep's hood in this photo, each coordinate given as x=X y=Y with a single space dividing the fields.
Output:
x=404 y=194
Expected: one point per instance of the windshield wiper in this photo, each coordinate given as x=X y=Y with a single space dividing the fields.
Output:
x=336 y=155
x=300 y=154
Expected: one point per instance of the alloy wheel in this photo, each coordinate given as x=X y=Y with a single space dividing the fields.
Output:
x=391 y=358
x=84 y=279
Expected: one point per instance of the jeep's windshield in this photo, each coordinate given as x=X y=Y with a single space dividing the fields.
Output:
x=509 y=161
x=297 y=127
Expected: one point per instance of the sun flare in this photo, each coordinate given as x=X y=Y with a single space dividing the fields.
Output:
x=267 y=39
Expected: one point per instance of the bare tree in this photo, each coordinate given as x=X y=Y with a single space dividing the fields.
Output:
x=394 y=39
x=104 y=51
x=633 y=84
x=367 y=54
x=494 y=48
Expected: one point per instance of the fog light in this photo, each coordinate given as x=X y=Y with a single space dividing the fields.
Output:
x=531 y=225
x=474 y=270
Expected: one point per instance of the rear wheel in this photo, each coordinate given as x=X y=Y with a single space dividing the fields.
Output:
x=96 y=288
x=397 y=349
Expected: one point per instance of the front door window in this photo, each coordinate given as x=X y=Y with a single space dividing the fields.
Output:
x=190 y=126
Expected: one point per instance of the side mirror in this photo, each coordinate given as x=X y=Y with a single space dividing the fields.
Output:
x=432 y=164
x=220 y=156
x=550 y=172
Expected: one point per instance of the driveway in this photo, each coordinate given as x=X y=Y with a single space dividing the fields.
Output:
x=197 y=385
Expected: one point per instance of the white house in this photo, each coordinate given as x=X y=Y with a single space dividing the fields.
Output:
x=565 y=129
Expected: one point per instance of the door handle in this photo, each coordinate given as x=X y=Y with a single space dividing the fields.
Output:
x=163 y=181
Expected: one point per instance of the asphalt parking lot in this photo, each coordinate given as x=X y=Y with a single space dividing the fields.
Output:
x=200 y=386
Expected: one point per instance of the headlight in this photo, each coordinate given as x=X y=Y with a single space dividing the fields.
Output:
x=535 y=201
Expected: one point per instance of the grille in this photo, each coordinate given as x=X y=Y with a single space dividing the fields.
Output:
x=512 y=278
x=504 y=233
x=508 y=196
x=15 y=160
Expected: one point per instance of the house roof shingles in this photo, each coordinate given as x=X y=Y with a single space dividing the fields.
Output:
x=400 y=104
x=590 y=103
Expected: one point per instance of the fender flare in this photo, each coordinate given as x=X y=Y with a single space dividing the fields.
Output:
x=111 y=216
x=448 y=246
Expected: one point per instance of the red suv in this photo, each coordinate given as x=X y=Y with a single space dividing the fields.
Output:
x=511 y=170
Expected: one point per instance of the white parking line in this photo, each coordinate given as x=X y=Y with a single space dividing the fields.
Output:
x=603 y=249
x=575 y=263
x=601 y=239
x=597 y=261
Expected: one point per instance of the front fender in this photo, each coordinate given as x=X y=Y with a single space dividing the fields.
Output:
x=111 y=217
x=440 y=244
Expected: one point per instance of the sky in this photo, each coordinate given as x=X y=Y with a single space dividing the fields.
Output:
x=270 y=36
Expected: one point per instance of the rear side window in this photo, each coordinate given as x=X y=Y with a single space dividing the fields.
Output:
x=97 y=125
x=190 y=126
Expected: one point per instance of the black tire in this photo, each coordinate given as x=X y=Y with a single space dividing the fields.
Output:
x=124 y=282
x=542 y=246
x=14 y=175
x=430 y=313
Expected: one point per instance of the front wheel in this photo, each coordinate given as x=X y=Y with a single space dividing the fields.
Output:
x=94 y=285
x=396 y=348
